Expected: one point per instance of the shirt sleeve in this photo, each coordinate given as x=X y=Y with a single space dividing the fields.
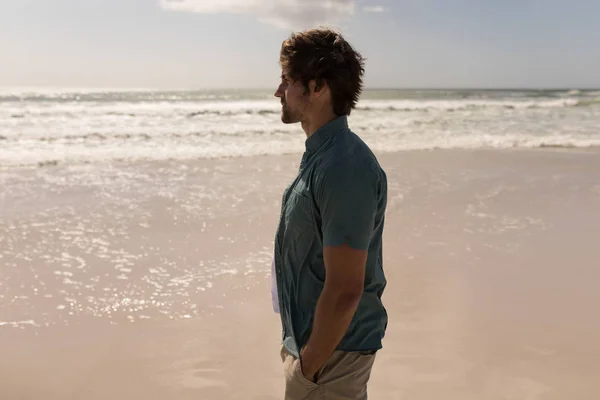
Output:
x=347 y=201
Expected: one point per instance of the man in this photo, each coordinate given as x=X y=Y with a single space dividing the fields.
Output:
x=328 y=246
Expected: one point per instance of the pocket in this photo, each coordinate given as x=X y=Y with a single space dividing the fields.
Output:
x=301 y=378
x=299 y=213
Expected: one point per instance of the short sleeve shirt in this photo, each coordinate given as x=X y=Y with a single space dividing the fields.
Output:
x=338 y=197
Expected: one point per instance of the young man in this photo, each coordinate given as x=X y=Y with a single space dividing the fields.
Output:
x=328 y=250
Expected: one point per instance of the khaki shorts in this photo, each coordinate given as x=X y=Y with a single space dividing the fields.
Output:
x=344 y=376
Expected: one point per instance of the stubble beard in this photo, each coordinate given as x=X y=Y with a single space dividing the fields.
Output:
x=289 y=116
x=286 y=115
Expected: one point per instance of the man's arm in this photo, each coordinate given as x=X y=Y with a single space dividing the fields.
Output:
x=344 y=282
x=347 y=199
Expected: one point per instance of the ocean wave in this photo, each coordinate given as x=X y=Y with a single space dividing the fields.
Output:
x=139 y=109
x=65 y=131
x=588 y=103
x=455 y=105
x=100 y=113
x=96 y=137
x=125 y=95
x=129 y=148
x=258 y=111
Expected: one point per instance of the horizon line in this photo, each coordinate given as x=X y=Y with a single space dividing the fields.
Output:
x=370 y=88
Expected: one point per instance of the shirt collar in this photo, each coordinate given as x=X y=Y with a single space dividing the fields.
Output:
x=325 y=132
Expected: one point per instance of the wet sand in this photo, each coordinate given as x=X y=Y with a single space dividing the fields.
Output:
x=150 y=280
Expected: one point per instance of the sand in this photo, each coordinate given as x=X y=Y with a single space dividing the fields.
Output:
x=150 y=280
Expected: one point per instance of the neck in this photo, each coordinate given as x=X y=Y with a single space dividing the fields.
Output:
x=312 y=124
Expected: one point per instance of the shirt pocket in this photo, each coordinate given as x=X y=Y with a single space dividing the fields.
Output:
x=299 y=213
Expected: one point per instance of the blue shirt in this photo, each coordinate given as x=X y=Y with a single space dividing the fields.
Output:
x=339 y=196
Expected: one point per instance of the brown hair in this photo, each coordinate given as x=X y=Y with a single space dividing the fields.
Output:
x=322 y=54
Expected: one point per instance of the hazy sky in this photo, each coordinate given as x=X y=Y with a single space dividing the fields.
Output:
x=235 y=43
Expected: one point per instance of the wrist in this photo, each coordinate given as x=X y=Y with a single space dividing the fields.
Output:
x=307 y=365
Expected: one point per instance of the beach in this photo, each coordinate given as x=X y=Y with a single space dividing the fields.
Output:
x=149 y=278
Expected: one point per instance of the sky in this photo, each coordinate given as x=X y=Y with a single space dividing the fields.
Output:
x=196 y=44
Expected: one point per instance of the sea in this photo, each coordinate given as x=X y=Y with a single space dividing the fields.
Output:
x=45 y=127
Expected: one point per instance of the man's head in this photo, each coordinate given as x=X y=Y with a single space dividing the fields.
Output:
x=321 y=72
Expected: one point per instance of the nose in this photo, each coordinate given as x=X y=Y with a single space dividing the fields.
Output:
x=280 y=91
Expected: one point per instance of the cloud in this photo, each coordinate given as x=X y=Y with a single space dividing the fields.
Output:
x=285 y=14
x=373 y=9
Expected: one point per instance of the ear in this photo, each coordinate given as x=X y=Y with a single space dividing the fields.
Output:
x=319 y=86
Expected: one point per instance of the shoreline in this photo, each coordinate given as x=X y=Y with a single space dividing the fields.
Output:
x=140 y=162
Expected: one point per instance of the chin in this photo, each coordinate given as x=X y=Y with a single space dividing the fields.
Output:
x=287 y=120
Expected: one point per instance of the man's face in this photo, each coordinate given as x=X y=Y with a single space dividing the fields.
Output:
x=294 y=101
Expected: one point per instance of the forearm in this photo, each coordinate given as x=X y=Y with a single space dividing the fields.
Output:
x=334 y=312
